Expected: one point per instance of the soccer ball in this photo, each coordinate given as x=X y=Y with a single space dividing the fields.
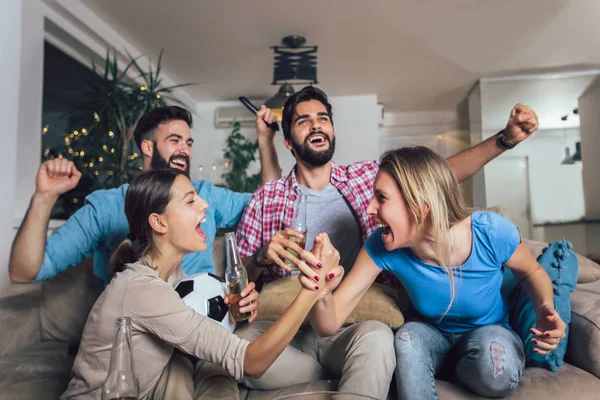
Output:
x=205 y=293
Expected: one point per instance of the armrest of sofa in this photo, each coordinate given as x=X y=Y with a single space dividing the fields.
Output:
x=583 y=349
x=20 y=319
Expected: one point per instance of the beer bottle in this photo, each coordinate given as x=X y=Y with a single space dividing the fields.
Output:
x=236 y=278
x=121 y=382
x=299 y=225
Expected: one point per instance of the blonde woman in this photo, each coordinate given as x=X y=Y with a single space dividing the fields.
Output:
x=450 y=260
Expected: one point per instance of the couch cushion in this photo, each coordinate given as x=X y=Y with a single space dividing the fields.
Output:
x=538 y=383
x=589 y=271
x=561 y=265
x=584 y=347
x=219 y=256
x=324 y=385
x=19 y=322
x=379 y=303
x=41 y=372
x=66 y=301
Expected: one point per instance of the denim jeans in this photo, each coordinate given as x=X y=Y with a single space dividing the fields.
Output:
x=487 y=360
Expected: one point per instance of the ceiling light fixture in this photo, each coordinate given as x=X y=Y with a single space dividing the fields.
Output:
x=577 y=155
x=567 y=159
x=294 y=63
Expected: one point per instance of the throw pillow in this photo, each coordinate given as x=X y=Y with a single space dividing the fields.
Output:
x=379 y=303
x=66 y=301
x=589 y=271
x=561 y=265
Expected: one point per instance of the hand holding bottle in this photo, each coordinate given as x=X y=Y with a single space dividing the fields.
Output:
x=276 y=252
x=285 y=246
x=248 y=302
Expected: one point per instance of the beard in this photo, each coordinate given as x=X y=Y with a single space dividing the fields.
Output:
x=311 y=157
x=159 y=162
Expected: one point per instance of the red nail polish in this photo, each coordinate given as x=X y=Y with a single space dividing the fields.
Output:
x=331 y=276
x=317 y=278
x=534 y=341
x=316 y=287
x=319 y=265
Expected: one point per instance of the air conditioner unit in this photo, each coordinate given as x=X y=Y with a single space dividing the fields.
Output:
x=226 y=116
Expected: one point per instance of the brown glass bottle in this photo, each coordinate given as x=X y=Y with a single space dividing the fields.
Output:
x=236 y=277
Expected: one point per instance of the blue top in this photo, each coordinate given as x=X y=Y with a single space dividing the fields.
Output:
x=477 y=282
x=101 y=225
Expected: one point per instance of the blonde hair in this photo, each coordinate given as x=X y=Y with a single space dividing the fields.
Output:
x=426 y=180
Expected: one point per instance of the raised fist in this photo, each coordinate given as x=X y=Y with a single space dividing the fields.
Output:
x=264 y=117
x=523 y=121
x=56 y=177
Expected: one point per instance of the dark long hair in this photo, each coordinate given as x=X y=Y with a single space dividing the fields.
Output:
x=149 y=193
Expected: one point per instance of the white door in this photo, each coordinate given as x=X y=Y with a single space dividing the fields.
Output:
x=507 y=186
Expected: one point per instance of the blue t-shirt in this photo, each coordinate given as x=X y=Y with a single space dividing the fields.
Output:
x=477 y=282
x=101 y=225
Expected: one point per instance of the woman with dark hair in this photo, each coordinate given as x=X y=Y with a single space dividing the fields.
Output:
x=165 y=215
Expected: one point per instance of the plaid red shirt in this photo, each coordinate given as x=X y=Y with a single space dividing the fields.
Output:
x=272 y=206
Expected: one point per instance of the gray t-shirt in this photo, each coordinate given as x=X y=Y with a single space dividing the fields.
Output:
x=329 y=212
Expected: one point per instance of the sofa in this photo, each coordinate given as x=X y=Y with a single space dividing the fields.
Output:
x=41 y=324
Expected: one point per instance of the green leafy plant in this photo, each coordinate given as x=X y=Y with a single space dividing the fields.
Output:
x=100 y=140
x=239 y=153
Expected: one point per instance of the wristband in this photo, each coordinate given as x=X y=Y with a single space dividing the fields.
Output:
x=503 y=142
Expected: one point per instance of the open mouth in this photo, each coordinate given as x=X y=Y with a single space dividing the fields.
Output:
x=317 y=139
x=386 y=230
x=199 y=230
x=179 y=162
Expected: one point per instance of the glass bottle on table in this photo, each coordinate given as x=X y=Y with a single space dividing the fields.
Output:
x=236 y=278
x=298 y=225
x=121 y=382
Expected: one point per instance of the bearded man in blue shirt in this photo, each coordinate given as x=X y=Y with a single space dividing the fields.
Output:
x=164 y=139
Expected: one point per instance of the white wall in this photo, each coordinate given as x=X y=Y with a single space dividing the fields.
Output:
x=589 y=104
x=476 y=134
x=556 y=190
x=10 y=43
x=355 y=122
x=22 y=81
x=29 y=141
x=438 y=130
x=434 y=129
x=21 y=33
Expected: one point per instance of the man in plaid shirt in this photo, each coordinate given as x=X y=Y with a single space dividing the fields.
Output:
x=360 y=355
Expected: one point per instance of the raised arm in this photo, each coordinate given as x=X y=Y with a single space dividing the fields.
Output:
x=269 y=162
x=537 y=284
x=522 y=122
x=334 y=307
x=54 y=178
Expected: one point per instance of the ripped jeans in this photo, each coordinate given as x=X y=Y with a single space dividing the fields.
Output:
x=487 y=360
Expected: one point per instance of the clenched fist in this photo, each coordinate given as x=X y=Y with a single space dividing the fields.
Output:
x=56 y=177
x=264 y=117
x=523 y=121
